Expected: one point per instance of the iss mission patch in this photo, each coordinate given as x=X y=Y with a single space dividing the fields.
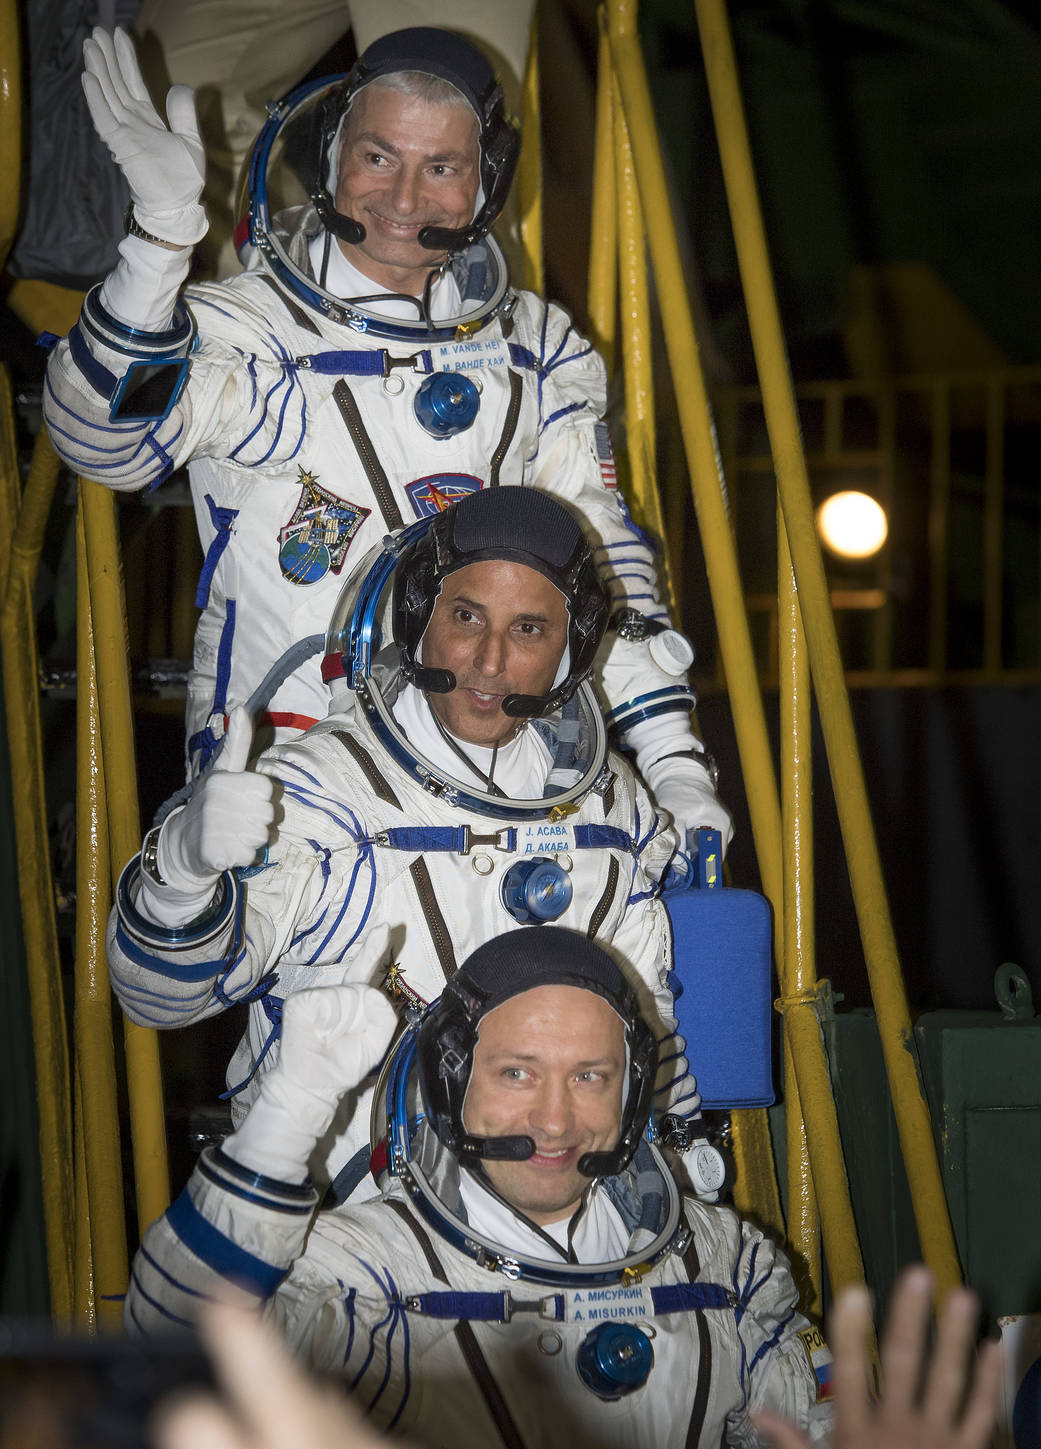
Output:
x=819 y=1355
x=315 y=540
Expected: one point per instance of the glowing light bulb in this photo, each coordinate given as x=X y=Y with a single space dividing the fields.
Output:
x=852 y=525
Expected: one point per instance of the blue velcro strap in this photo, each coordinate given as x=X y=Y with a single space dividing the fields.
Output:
x=99 y=377
x=602 y=837
x=425 y=837
x=689 y=1297
x=482 y=1307
x=366 y=363
x=218 y=1252
x=227 y=635
x=222 y=519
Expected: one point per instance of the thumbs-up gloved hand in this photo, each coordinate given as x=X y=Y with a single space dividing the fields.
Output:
x=224 y=824
x=164 y=166
x=332 y=1037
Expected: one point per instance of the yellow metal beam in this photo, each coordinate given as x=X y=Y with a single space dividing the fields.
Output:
x=108 y=613
x=529 y=171
x=699 y=437
x=603 y=227
x=10 y=124
x=887 y=987
x=98 y=1111
x=799 y=950
x=637 y=348
x=85 y=1302
x=22 y=523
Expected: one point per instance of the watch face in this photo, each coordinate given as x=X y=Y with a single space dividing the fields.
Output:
x=708 y=1168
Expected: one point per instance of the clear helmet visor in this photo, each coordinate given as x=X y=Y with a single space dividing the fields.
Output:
x=296 y=153
x=360 y=647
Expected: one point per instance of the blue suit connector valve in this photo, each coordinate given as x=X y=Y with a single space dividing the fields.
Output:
x=446 y=403
x=615 y=1359
x=534 y=891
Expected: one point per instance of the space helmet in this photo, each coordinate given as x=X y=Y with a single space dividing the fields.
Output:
x=375 y=633
x=418 y=1133
x=496 y=972
x=290 y=182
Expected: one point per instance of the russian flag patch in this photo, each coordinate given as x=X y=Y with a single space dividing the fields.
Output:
x=819 y=1355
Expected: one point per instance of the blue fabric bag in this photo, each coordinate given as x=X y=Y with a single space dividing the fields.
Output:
x=722 y=981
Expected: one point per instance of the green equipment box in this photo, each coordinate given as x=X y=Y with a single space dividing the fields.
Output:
x=982 y=1076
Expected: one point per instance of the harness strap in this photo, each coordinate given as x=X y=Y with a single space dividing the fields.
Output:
x=577 y=1305
x=467 y=1341
x=299 y=316
x=439 y=932
x=367 y=455
x=222 y=519
x=603 y=905
x=367 y=765
x=692 y=1265
x=509 y=427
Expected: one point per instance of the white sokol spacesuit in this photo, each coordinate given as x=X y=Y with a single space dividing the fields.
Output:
x=640 y=1320
x=312 y=425
x=383 y=823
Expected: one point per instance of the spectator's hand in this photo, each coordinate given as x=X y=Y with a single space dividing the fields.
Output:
x=226 y=821
x=947 y=1399
x=269 y=1402
x=164 y=167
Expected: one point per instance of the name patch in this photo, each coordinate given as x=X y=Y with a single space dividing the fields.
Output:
x=472 y=355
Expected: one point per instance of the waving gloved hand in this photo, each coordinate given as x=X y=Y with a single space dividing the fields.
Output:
x=226 y=821
x=164 y=166
x=332 y=1037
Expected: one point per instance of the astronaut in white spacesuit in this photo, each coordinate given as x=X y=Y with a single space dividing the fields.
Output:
x=531 y=1275
x=372 y=365
x=461 y=788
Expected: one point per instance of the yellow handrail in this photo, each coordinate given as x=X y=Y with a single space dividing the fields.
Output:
x=637 y=343
x=887 y=987
x=529 y=171
x=799 y=959
x=98 y=1115
x=603 y=226
x=22 y=523
x=702 y=454
x=709 y=492
x=108 y=613
x=10 y=125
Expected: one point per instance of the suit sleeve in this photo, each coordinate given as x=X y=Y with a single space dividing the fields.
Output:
x=305 y=907
x=785 y=1363
x=242 y=401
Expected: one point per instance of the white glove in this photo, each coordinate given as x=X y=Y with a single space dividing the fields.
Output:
x=332 y=1037
x=164 y=168
x=226 y=821
x=680 y=784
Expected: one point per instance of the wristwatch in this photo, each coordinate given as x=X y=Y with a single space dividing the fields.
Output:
x=134 y=228
x=149 y=851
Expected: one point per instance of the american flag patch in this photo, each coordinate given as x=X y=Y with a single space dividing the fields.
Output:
x=819 y=1355
x=605 y=456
